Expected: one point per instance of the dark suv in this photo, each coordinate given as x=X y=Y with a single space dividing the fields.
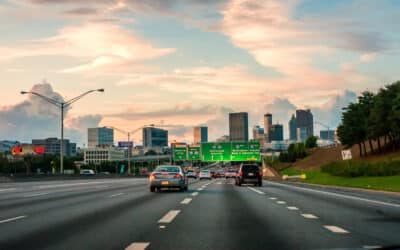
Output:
x=249 y=173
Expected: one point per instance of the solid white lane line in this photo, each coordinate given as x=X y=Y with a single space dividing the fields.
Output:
x=13 y=219
x=281 y=202
x=34 y=195
x=170 y=216
x=292 y=208
x=186 y=201
x=272 y=198
x=309 y=216
x=138 y=246
x=372 y=247
x=114 y=195
x=335 y=229
x=195 y=193
x=339 y=195
x=256 y=190
x=7 y=189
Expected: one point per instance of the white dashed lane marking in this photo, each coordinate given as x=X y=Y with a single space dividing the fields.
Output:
x=186 y=201
x=281 y=202
x=372 y=247
x=138 y=246
x=115 y=195
x=195 y=193
x=309 y=216
x=256 y=190
x=292 y=208
x=170 y=216
x=272 y=198
x=335 y=229
x=34 y=195
x=13 y=219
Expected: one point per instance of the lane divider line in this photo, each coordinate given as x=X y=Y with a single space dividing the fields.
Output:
x=7 y=189
x=200 y=189
x=281 y=202
x=115 y=195
x=309 y=216
x=162 y=226
x=186 y=201
x=13 y=219
x=256 y=190
x=335 y=229
x=34 y=195
x=272 y=198
x=169 y=217
x=292 y=208
x=195 y=193
x=372 y=247
x=138 y=246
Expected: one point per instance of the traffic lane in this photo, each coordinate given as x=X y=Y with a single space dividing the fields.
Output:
x=223 y=216
x=371 y=222
x=105 y=223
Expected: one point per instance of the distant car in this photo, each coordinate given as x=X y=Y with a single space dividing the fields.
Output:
x=230 y=174
x=87 y=172
x=219 y=174
x=191 y=174
x=168 y=176
x=249 y=173
x=205 y=174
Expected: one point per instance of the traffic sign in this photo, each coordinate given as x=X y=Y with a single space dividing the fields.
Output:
x=180 y=153
x=193 y=153
x=245 y=151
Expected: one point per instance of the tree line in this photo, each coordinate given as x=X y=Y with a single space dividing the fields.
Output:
x=374 y=120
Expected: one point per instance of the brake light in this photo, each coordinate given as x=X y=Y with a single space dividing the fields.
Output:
x=178 y=176
x=240 y=173
x=152 y=176
x=261 y=173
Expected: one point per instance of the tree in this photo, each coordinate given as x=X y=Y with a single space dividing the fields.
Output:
x=311 y=142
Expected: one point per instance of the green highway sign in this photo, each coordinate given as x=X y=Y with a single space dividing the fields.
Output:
x=215 y=151
x=180 y=153
x=193 y=153
x=245 y=151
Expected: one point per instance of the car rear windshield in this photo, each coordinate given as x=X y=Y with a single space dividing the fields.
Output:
x=250 y=168
x=167 y=169
x=205 y=171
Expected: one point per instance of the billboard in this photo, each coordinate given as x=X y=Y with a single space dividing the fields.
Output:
x=179 y=153
x=27 y=150
x=193 y=153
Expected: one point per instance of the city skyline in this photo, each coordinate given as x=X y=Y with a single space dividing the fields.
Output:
x=189 y=70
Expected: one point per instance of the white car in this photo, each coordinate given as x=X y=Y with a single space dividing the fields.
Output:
x=205 y=174
x=191 y=174
x=87 y=172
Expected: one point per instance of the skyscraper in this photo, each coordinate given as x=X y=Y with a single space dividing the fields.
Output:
x=267 y=126
x=155 y=137
x=258 y=132
x=276 y=132
x=293 y=129
x=304 y=124
x=100 y=137
x=239 y=126
x=200 y=134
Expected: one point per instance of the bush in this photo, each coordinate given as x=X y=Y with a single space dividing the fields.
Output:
x=362 y=168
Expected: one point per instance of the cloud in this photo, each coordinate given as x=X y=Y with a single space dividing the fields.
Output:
x=35 y=118
x=81 y=11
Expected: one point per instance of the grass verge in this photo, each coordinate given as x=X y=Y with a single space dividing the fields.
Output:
x=387 y=183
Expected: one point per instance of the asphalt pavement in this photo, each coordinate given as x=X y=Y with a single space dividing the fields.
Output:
x=216 y=214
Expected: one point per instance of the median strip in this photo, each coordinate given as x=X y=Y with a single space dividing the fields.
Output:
x=138 y=246
x=13 y=219
x=335 y=229
x=256 y=190
x=170 y=216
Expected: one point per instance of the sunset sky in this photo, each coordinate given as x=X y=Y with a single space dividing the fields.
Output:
x=189 y=62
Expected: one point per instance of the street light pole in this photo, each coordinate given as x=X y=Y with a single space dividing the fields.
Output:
x=62 y=105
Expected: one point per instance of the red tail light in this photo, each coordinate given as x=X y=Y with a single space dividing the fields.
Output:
x=261 y=173
x=178 y=176
x=152 y=176
x=240 y=173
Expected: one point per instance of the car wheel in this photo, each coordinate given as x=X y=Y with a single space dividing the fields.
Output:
x=152 y=189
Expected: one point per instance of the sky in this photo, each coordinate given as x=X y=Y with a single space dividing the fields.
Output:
x=183 y=63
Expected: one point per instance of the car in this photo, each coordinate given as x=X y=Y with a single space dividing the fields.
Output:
x=191 y=174
x=205 y=174
x=168 y=176
x=249 y=173
x=87 y=172
x=230 y=174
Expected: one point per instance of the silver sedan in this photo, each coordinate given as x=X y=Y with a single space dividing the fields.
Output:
x=168 y=176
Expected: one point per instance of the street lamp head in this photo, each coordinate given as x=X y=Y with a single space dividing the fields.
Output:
x=24 y=92
x=100 y=90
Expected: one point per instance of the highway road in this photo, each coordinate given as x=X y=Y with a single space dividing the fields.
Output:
x=123 y=214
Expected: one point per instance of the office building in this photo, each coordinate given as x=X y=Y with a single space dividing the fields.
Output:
x=100 y=137
x=304 y=124
x=267 y=126
x=239 y=126
x=52 y=146
x=258 y=132
x=293 y=129
x=154 y=138
x=328 y=135
x=99 y=155
x=200 y=134
x=224 y=138
x=276 y=132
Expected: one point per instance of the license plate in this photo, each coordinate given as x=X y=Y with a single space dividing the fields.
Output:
x=250 y=174
x=164 y=183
